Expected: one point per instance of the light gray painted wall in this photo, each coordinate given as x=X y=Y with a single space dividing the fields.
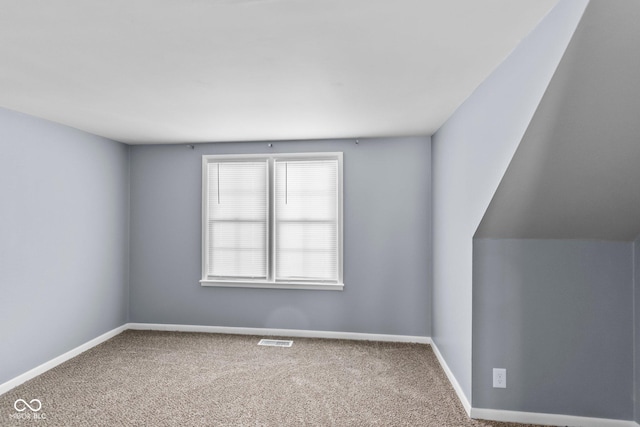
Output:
x=575 y=174
x=471 y=152
x=386 y=243
x=558 y=315
x=63 y=240
x=636 y=327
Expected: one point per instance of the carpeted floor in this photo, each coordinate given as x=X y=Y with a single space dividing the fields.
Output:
x=144 y=378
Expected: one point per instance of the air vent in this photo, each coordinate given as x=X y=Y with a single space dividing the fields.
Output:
x=276 y=343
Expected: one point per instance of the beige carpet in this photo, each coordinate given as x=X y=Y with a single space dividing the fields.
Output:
x=143 y=378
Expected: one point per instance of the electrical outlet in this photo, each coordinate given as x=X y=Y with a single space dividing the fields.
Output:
x=499 y=378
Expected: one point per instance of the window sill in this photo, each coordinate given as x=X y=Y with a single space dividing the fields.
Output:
x=272 y=285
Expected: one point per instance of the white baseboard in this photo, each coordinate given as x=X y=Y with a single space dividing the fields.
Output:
x=547 y=419
x=452 y=379
x=280 y=332
x=5 y=387
x=485 y=414
x=524 y=417
x=12 y=383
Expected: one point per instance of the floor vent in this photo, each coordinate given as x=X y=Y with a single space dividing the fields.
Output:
x=276 y=343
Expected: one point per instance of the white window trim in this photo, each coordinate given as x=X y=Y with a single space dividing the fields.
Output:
x=270 y=283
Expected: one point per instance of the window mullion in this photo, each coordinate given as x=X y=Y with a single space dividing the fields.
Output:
x=270 y=222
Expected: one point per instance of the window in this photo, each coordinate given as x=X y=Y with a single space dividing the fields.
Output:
x=272 y=221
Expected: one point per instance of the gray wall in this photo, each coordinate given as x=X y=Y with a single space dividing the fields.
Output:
x=470 y=155
x=386 y=243
x=636 y=327
x=573 y=176
x=63 y=240
x=558 y=315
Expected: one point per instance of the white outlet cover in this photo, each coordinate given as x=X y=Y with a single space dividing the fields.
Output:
x=499 y=378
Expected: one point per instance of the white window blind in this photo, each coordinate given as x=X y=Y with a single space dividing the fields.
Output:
x=272 y=220
x=306 y=220
x=237 y=220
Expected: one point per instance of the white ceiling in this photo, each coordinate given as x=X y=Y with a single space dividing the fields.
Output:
x=166 y=71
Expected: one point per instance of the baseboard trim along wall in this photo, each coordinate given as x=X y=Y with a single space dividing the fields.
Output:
x=12 y=383
x=280 y=332
x=32 y=373
x=547 y=419
x=523 y=417
x=479 y=413
x=452 y=379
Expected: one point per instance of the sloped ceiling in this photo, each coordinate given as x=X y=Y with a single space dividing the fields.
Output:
x=576 y=173
x=164 y=71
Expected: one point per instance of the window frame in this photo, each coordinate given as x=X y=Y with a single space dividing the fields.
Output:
x=270 y=282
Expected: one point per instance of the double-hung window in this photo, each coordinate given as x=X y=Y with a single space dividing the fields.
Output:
x=272 y=220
